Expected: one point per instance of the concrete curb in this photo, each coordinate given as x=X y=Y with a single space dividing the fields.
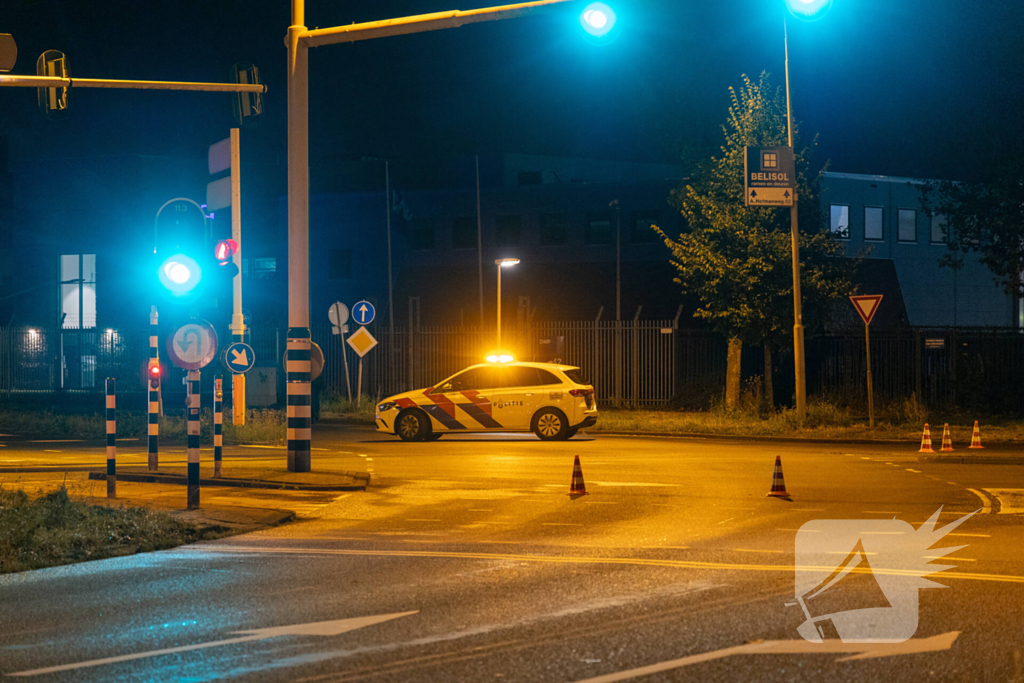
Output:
x=182 y=479
x=972 y=459
x=746 y=437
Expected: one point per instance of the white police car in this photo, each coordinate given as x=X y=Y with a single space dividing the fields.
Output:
x=550 y=400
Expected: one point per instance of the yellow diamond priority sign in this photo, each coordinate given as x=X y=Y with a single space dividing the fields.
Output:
x=361 y=341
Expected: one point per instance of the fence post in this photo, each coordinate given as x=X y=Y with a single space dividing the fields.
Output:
x=595 y=371
x=111 y=441
x=635 y=379
x=218 y=423
x=192 y=411
x=154 y=391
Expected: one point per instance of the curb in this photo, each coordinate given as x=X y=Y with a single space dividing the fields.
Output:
x=182 y=479
x=745 y=437
x=972 y=459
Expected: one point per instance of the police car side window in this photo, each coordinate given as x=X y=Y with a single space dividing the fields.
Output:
x=547 y=378
x=476 y=379
x=520 y=377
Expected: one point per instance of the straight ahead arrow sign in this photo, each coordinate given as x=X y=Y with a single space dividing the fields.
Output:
x=317 y=628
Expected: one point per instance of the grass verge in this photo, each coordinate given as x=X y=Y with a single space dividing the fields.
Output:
x=53 y=530
x=337 y=408
x=824 y=421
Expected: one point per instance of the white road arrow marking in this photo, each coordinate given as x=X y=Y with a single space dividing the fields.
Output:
x=240 y=357
x=318 y=628
x=778 y=647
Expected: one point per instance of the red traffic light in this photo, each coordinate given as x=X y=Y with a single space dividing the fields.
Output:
x=225 y=249
x=154 y=371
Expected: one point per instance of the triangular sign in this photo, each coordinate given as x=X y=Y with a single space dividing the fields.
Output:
x=866 y=306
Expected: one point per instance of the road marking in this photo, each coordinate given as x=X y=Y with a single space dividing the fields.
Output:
x=569 y=559
x=318 y=628
x=50 y=450
x=1011 y=501
x=864 y=457
x=986 y=504
x=671 y=547
x=480 y=510
x=972 y=535
x=950 y=558
x=855 y=650
x=421 y=520
x=754 y=550
x=727 y=520
x=807 y=509
x=914 y=471
x=631 y=483
x=952 y=483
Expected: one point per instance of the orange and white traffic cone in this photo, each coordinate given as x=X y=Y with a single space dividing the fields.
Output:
x=947 y=440
x=976 y=437
x=926 y=441
x=577 y=487
x=778 y=483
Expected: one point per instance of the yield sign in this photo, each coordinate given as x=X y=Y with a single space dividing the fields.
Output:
x=866 y=305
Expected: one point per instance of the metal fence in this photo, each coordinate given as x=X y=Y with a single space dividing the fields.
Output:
x=632 y=362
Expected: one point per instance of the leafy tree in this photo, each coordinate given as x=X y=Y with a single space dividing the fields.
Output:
x=737 y=260
x=985 y=216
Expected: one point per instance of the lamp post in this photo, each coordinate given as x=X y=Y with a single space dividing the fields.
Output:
x=502 y=263
x=807 y=10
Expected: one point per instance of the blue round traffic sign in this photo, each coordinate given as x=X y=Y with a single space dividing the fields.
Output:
x=239 y=358
x=363 y=312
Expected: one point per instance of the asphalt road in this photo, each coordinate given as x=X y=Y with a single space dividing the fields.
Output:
x=478 y=566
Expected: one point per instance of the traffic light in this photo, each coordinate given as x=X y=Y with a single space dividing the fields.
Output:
x=54 y=102
x=154 y=376
x=180 y=275
x=248 y=106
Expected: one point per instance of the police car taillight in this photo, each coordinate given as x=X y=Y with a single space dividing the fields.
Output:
x=581 y=392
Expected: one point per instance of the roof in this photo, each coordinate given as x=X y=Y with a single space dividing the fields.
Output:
x=526 y=364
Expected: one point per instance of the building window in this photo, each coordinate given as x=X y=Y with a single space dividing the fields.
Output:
x=552 y=229
x=339 y=264
x=509 y=230
x=464 y=232
x=599 y=229
x=840 y=225
x=264 y=268
x=421 y=238
x=78 y=290
x=873 y=223
x=907 y=225
x=640 y=232
x=939 y=229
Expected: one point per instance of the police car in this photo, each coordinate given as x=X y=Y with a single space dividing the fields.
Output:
x=550 y=400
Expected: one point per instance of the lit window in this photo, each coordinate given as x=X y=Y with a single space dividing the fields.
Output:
x=840 y=225
x=873 y=223
x=78 y=290
x=907 y=225
x=938 y=229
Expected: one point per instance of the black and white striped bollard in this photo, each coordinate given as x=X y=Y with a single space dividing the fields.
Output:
x=299 y=408
x=192 y=410
x=154 y=392
x=218 y=424
x=111 y=441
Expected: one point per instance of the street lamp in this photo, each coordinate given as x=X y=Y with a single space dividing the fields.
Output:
x=807 y=10
x=502 y=263
x=597 y=19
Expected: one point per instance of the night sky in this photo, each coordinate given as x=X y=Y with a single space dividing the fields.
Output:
x=927 y=88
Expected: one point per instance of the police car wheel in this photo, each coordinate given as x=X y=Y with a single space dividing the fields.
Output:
x=550 y=425
x=411 y=425
x=572 y=432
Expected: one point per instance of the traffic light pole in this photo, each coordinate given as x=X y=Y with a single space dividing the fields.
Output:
x=298 y=40
x=237 y=319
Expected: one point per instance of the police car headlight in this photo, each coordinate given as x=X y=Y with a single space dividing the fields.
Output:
x=384 y=407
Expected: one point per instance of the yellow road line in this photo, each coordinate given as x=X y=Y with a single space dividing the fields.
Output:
x=568 y=559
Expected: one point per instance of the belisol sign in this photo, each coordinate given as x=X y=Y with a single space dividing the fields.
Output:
x=769 y=176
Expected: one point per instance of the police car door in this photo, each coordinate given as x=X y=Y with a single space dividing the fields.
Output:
x=515 y=399
x=469 y=396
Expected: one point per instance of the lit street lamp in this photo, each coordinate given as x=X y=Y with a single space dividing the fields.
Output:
x=597 y=19
x=502 y=263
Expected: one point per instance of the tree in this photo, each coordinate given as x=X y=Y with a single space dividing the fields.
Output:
x=984 y=216
x=737 y=260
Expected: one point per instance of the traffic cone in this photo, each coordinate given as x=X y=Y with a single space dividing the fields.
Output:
x=577 y=487
x=976 y=437
x=947 y=440
x=778 y=483
x=926 y=441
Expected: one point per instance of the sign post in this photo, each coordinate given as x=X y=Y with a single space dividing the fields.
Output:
x=361 y=342
x=338 y=315
x=866 y=306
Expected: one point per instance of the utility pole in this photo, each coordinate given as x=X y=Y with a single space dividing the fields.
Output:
x=298 y=40
x=237 y=319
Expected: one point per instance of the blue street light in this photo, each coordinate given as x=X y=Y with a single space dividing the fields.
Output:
x=597 y=19
x=808 y=10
